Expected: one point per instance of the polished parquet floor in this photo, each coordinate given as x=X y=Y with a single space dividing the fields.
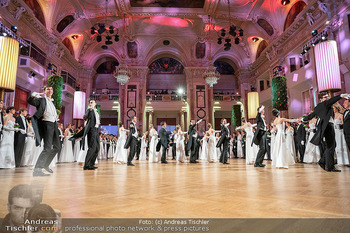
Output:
x=188 y=190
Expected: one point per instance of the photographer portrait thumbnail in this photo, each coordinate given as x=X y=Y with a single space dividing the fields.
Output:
x=27 y=214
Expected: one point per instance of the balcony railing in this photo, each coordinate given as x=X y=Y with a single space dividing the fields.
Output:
x=106 y=91
x=105 y=97
x=221 y=97
x=165 y=97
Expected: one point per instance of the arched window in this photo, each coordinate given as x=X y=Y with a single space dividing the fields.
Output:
x=166 y=65
x=64 y=23
x=107 y=67
x=266 y=26
x=263 y=44
x=224 y=68
x=35 y=7
x=293 y=13
x=69 y=45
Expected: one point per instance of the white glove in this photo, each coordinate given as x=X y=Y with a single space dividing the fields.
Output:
x=36 y=94
x=227 y=124
x=302 y=142
x=261 y=108
x=22 y=131
x=200 y=121
x=345 y=96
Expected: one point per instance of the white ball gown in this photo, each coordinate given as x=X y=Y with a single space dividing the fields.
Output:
x=7 y=152
x=239 y=147
x=218 y=150
x=28 y=147
x=67 y=150
x=153 y=154
x=76 y=149
x=281 y=154
x=312 y=152
x=143 y=153
x=290 y=142
x=121 y=154
x=212 y=150
x=180 y=148
x=250 y=150
x=341 y=149
x=204 y=151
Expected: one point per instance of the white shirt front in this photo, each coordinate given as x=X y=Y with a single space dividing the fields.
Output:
x=50 y=113
x=346 y=113
x=263 y=118
x=24 y=123
x=97 y=118
x=134 y=134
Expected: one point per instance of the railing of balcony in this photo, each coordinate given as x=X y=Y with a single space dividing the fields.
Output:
x=105 y=97
x=223 y=97
x=165 y=97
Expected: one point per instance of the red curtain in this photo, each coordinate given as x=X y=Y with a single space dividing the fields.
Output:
x=20 y=98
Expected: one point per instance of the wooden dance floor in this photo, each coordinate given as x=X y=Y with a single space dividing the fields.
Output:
x=188 y=190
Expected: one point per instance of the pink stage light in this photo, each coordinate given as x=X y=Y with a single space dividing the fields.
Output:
x=79 y=105
x=327 y=66
x=168 y=21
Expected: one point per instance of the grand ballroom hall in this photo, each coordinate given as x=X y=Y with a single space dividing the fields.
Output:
x=174 y=61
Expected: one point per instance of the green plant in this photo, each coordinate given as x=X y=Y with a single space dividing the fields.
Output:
x=98 y=107
x=57 y=84
x=236 y=115
x=279 y=93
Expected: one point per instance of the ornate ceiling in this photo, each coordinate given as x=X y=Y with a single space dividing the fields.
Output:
x=182 y=22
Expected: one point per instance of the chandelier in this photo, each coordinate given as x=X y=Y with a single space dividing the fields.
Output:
x=211 y=76
x=103 y=30
x=234 y=33
x=122 y=74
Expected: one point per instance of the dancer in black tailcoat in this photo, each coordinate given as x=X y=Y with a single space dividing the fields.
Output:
x=260 y=137
x=192 y=141
x=346 y=123
x=131 y=140
x=45 y=127
x=325 y=135
x=224 y=141
x=300 y=139
x=91 y=131
x=164 y=141
x=19 y=137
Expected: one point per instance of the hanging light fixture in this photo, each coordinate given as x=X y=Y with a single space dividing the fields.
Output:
x=231 y=34
x=122 y=72
x=211 y=75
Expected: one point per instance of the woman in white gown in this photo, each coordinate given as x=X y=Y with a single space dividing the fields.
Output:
x=143 y=153
x=101 y=152
x=282 y=155
x=290 y=140
x=212 y=150
x=153 y=154
x=250 y=150
x=239 y=145
x=180 y=146
x=7 y=152
x=121 y=156
x=76 y=149
x=341 y=149
x=29 y=145
x=82 y=153
x=273 y=138
x=312 y=152
x=204 y=151
x=67 y=148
